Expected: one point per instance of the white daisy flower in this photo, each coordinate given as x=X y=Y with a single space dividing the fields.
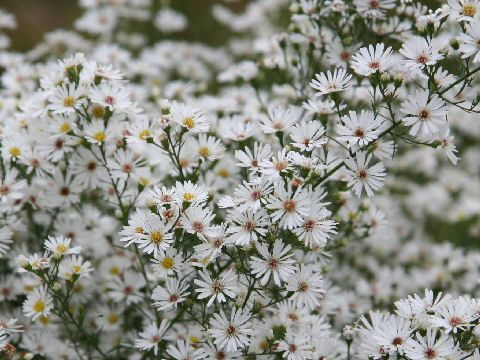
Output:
x=336 y=82
x=231 y=334
x=277 y=263
x=360 y=176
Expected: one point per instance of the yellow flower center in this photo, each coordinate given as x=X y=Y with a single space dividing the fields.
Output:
x=194 y=338
x=69 y=101
x=61 y=248
x=188 y=196
x=98 y=111
x=112 y=318
x=189 y=122
x=156 y=237
x=167 y=263
x=204 y=151
x=223 y=173
x=139 y=230
x=39 y=306
x=100 y=136
x=469 y=10
x=15 y=151
x=144 y=134
x=76 y=268
x=114 y=270
x=44 y=319
x=64 y=127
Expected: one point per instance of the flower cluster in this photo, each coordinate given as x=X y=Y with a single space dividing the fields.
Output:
x=271 y=198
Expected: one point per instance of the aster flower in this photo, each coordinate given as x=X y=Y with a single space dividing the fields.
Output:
x=67 y=99
x=296 y=346
x=464 y=10
x=111 y=96
x=247 y=226
x=360 y=176
x=151 y=336
x=359 y=129
x=170 y=295
x=420 y=53
x=469 y=41
x=189 y=118
x=231 y=334
x=316 y=228
x=289 y=206
x=279 y=119
x=277 y=263
x=61 y=246
x=308 y=135
x=424 y=113
x=307 y=286
x=38 y=303
x=155 y=236
x=253 y=160
x=196 y=220
x=429 y=347
x=225 y=284
x=370 y=60
x=326 y=84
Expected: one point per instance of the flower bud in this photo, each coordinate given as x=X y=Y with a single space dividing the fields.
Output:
x=385 y=77
x=454 y=43
x=57 y=286
x=348 y=332
x=398 y=80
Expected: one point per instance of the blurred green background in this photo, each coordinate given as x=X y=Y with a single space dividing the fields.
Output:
x=36 y=17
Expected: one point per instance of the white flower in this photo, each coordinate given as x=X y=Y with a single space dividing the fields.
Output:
x=428 y=347
x=172 y=293
x=196 y=220
x=67 y=99
x=316 y=228
x=38 y=303
x=325 y=84
x=225 y=284
x=469 y=41
x=454 y=315
x=424 y=114
x=420 y=53
x=371 y=60
x=208 y=148
x=279 y=119
x=167 y=263
x=447 y=145
x=112 y=96
x=151 y=336
x=359 y=130
x=359 y=176
x=464 y=10
x=253 y=160
x=189 y=118
x=247 y=226
x=290 y=207
x=74 y=265
x=231 y=334
x=295 y=346
x=308 y=135
x=277 y=263
x=155 y=236
x=307 y=286
x=61 y=245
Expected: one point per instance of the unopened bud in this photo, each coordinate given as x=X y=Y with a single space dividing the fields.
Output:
x=385 y=77
x=348 y=332
x=454 y=43
x=57 y=286
x=398 y=80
